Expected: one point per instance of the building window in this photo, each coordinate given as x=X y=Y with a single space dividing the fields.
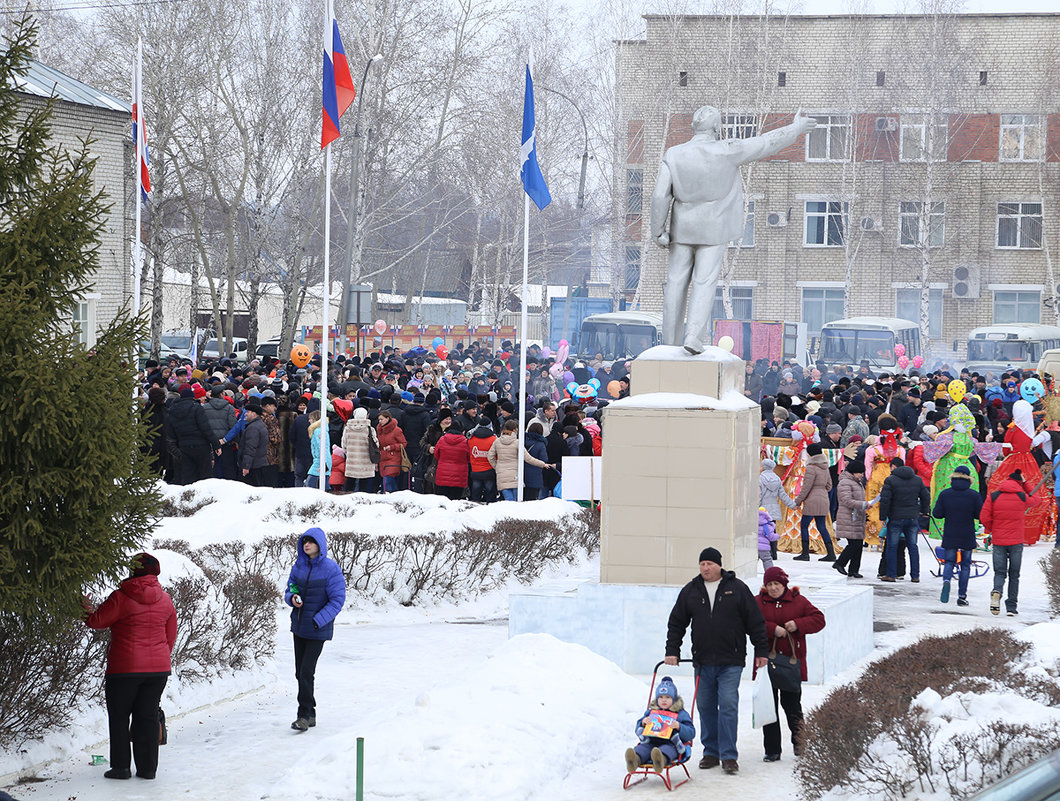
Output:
x=742 y=305
x=682 y=79
x=782 y=79
x=1019 y=225
x=830 y=140
x=632 y=266
x=880 y=77
x=1017 y=306
x=80 y=321
x=748 y=238
x=921 y=138
x=982 y=77
x=907 y=307
x=826 y=223
x=634 y=191
x=917 y=229
x=820 y=306
x=739 y=126
x=1021 y=138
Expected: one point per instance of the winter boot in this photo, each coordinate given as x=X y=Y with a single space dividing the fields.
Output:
x=945 y=596
x=300 y=725
x=632 y=761
x=805 y=555
x=830 y=556
x=995 y=603
x=658 y=761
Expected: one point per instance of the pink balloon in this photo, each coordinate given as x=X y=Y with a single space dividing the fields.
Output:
x=564 y=343
x=899 y=349
x=903 y=361
x=546 y=351
x=380 y=327
x=918 y=362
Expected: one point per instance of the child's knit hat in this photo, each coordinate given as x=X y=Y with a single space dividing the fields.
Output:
x=666 y=687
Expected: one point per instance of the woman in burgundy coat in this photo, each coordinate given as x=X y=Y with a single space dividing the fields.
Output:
x=453 y=455
x=143 y=629
x=786 y=611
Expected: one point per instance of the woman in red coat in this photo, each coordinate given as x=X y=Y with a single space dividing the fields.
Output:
x=786 y=612
x=453 y=455
x=391 y=441
x=143 y=629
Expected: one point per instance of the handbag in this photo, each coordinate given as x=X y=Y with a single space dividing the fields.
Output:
x=163 y=730
x=373 y=447
x=783 y=669
x=432 y=470
x=406 y=462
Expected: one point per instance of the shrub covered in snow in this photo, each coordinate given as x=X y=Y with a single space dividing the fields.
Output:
x=1051 y=570
x=943 y=715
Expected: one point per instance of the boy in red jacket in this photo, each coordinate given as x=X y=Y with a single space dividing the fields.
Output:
x=1002 y=517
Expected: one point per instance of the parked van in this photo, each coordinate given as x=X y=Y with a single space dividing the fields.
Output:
x=1050 y=363
x=239 y=347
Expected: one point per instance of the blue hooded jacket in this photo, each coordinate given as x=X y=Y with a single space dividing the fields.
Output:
x=320 y=583
x=533 y=477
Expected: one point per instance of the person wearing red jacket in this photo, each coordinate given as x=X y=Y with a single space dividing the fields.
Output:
x=453 y=455
x=483 y=476
x=786 y=612
x=1003 y=518
x=391 y=441
x=143 y=629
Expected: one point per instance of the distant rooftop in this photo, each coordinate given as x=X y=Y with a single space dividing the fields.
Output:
x=44 y=81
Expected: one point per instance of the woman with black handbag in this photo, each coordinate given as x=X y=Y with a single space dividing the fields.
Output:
x=789 y=618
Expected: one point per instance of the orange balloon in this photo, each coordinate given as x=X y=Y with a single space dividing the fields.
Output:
x=613 y=388
x=300 y=355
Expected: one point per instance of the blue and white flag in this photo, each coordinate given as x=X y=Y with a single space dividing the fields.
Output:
x=530 y=173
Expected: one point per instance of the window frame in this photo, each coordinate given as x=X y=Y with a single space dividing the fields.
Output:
x=824 y=300
x=748 y=227
x=744 y=126
x=914 y=121
x=919 y=224
x=634 y=179
x=936 y=312
x=1019 y=216
x=825 y=124
x=746 y=295
x=1017 y=302
x=1021 y=128
x=630 y=248
x=843 y=215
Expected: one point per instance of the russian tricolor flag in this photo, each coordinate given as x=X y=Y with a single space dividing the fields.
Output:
x=339 y=91
x=138 y=130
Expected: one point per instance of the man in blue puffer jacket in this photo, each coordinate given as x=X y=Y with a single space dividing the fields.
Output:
x=316 y=589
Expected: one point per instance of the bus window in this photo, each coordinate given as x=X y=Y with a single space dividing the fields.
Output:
x=1010 y=351
x=600 y=338
x=636 y=339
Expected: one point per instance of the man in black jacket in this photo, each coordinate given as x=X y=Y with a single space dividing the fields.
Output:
x=303 y=448
x=254 y=446
x=189 y=429
x=902 y=500
x=723 y=614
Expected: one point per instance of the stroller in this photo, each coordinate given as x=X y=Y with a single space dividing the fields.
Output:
x=644 y=771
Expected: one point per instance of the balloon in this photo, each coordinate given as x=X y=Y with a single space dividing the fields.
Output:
x=957 y=390
x=546 y=352
x=594 y=383
x=726 y=343
x=918 y=361
x=436 y=342
x=613 y=388
x=300 y=356
x=903 y=361
x=441 y=351
x=564 y=344
x=555 y=370
x=899 y=349
x=562 y=351
x=1031 y=390
x=568 y=376
x=571 y=388
x=380 y=327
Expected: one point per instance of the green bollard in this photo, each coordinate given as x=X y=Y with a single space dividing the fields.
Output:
x=360 y=769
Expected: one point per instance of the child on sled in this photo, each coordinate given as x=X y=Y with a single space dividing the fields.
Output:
x=663 y=730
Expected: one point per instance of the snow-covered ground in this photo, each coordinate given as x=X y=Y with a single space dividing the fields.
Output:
x=448 y=706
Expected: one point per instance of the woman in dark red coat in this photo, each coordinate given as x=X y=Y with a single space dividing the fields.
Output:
x=786 y=611
x=143 y=629
x=453 y=455
x=391 y=441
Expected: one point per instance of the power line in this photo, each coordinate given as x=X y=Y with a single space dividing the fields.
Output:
x=91 y=6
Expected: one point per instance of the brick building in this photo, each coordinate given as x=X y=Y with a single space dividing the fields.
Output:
x=81 y=112
x=936 y=161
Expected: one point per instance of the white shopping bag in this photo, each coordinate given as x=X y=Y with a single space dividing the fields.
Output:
x=762 y=710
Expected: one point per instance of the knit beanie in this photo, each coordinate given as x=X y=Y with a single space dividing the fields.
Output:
x=666 y=687
x=775 y=574
x=710 y=555
x=143 y=564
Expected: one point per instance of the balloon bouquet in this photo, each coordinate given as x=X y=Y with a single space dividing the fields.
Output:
x=904 y=361
x=439 y=348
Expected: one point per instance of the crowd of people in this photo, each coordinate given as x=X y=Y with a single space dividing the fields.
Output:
x=883 y=460
x=394 y=421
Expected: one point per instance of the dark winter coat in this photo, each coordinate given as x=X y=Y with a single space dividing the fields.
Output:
x=453 y=455
x=417 y=421
x=254 y=446
x=792 y=605
x=221 y=416
x=322 y=587
x=154 y=416
x=533 y=476
x=719 y=634
x=813 y=498
x=1002 y=513
x=904 y=496
x=909 y=417
x=286 y=418
x=188 y=424
x=959 y=507
x=143 y=626
x=299 y=436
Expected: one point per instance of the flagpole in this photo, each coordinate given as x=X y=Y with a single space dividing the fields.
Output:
x=137 y=123
x=325 y=443
x=522 y=345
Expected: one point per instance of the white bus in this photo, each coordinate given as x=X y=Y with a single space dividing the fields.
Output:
x=619 y=335
x=1017 y=346
x=872 y=339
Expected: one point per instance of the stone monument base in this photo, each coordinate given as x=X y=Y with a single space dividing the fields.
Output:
x=626 y=623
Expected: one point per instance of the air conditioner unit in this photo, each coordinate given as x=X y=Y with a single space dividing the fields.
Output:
x=870 y=224
x=886 y=124
x=965 y=285
x=776 y=219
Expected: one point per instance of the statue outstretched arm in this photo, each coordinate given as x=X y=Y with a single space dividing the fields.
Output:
x=661 y=199
x=767 y=144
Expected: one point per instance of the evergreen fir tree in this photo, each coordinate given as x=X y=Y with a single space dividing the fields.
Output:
x=75 y=495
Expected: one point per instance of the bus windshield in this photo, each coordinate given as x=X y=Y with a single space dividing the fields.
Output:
x=852 y=345
x=623 y=341
x=988 y=350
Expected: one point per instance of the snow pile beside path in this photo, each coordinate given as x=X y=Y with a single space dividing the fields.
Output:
x=525 y=719
x=220 y=511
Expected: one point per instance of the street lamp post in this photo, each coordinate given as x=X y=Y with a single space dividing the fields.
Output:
x=351 y=223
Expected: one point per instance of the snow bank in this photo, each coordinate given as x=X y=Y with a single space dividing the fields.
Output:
x=528 y=716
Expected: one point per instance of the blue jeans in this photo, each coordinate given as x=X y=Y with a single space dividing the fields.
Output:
x=1008 y=559
x=510 y=494
x=911 y=529
x=719 y=708
x=390 y=483
x=484 y=488
x=965 y=569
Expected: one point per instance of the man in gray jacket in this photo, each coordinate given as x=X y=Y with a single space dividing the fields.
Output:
x=221 y=416
x=254 y=446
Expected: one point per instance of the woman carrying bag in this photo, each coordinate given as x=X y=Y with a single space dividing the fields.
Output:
x=789 y=618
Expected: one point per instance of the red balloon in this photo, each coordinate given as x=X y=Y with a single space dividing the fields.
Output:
x=441 y=351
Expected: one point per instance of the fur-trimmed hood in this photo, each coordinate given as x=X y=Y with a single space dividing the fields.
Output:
x=677 y=706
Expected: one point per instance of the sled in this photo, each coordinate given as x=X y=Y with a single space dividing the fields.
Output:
x=979 y=567
x=644 y=771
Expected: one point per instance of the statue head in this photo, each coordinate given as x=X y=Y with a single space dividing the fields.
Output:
x=707 y=120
